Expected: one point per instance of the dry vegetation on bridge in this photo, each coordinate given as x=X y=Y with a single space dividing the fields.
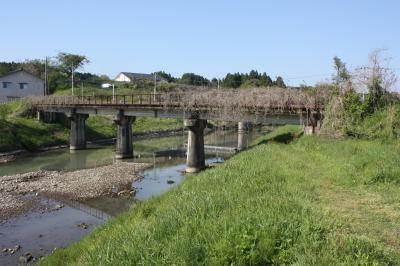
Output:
x=267 y=100
x=272 y=100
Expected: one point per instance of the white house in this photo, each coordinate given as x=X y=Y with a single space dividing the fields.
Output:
x=18 y=84
x=129 y=77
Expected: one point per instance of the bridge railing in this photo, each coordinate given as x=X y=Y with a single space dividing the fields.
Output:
x=133 y=99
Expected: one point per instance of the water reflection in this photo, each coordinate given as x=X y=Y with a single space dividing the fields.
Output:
x=97 y=155
x=39 y=233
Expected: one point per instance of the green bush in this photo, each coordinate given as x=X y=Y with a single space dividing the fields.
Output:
x=9 y=108
x=350 y=116
x=382 y=124
x=4 y=111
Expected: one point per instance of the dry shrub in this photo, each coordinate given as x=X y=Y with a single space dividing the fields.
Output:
x=335 y=118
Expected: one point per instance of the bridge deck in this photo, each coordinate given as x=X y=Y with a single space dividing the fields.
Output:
x=157 y=105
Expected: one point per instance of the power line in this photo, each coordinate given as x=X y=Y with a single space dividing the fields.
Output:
x=309 y=76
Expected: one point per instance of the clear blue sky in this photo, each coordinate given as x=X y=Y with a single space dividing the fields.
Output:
x=211 y=38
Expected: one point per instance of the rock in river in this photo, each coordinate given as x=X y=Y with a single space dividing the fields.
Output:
x=25 y=258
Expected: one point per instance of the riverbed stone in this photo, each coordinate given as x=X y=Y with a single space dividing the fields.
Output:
x=27 y=257
x=83 y=225
x=59 y=206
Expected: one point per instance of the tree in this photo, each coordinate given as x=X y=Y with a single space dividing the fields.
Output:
x=342 y=77
x=254 y=74
x=279 y=82
x=57 y=80
x=71 y=62
x=232 y=80
x=248 y=80
x=378 y=78
x=193 y=79
x=252 y=83
x=266 y=80
x=215 y=82
x=35 y=67
x=168 y=77
x=6 y=67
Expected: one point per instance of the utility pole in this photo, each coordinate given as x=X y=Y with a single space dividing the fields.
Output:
x=45 y=76
x=72 y=81
x=82 y=89
x=218 y=84
x=113 y=92
x=155 y=86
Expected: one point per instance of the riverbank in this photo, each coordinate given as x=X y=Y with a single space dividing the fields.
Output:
x=288 y=200
x=76 y=185
x=47 y=227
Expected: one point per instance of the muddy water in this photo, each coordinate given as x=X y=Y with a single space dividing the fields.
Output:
x=40 y=232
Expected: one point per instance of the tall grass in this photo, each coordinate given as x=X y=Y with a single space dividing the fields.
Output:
x=383 y=124
x=277 y=203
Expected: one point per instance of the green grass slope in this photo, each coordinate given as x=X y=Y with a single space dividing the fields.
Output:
x=102 y=127
x=18 y=132
x=28 y=133
x=288 y=200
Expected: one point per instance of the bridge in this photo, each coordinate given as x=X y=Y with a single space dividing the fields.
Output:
x=125 y=108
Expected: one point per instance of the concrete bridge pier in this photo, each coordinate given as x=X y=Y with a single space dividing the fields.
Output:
x=46 y=117
x=313 y=123
x=195 y=161
x=124 y=146
x=242 y=136
x=77 y=138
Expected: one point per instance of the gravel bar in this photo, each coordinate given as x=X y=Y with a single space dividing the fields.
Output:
x=75 y=185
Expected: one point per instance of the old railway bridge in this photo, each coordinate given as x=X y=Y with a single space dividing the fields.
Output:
x=125 y=108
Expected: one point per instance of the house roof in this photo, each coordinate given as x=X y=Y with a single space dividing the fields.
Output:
x=19 y=70
x=141 y=76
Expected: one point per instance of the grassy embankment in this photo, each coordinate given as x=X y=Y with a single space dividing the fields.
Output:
x=27 y=133
x=288 y=200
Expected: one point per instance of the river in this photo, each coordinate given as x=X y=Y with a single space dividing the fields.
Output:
x=40 y=232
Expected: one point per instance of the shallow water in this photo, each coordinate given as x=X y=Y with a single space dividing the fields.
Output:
x=39 y=232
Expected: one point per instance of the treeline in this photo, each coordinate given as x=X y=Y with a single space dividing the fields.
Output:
x=62 y=74
x=235 y=80
x=59 y=71
x=251 y=79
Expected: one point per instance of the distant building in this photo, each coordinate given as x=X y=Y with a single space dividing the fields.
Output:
x=129 y=77
x=18 y=84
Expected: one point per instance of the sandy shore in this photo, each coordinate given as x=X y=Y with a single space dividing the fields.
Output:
x=76 y=185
